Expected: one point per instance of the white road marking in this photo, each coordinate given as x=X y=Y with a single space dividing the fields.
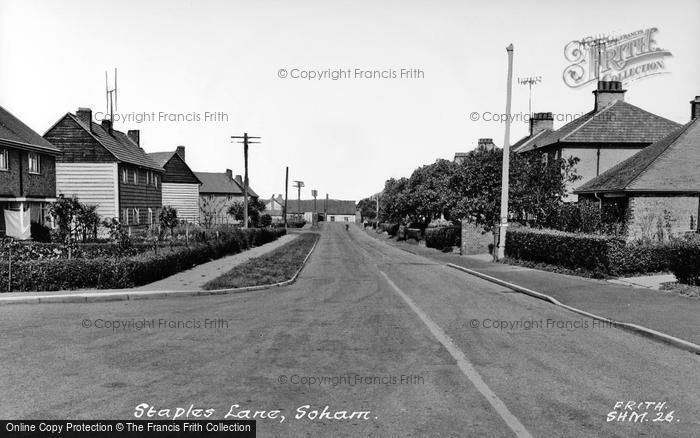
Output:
x=467 y=368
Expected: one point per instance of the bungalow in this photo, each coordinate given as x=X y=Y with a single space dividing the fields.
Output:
x=659 y=187
x=330 y=210
x=217 y=193
x=27 y=176
x=275 y=208
x=612 y=132
x=107 y=168
x=180 y=184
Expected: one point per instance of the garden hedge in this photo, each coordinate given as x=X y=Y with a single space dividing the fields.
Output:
x=596 y=253
x=685 y=260
x=391 y=229
x=117 y=273
x=443 y=237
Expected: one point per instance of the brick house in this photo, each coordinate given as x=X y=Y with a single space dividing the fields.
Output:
x=105 y=167
x=275 y=208
x=330 y=210
x=217 y=193
x=180 y=184
x=659 y=187
x=609 y=134
x=27 y=176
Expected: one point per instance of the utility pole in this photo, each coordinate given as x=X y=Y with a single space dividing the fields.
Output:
x=246 y=141
x=376 y=217
x=314 y=193
x=286 y=190
x=299 y=185
x=506 y=163
x=325 y=209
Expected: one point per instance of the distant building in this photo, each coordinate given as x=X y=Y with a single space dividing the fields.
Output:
x=275 y=208
x=180 y=184
x=330 y=210
x=27 y=176
x=658 y=187
x=612 y=132
x=107 y=168
x=217 y=193
x=483 y=145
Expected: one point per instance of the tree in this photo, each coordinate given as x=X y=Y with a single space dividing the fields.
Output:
x=265 y=220
x=168 y=218
x=368 y=208
x=74 y=218
x=87 y=220
x=255 y=208
x=428 y=192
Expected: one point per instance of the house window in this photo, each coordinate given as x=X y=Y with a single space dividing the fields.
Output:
x=34 y=163
x=125 y=216
x=211 y=197
x=136 y=216
x=136 y=176
x=124 y=176
x=155 y=180
x=150 y=216
x=4 y=159
x=148 y=177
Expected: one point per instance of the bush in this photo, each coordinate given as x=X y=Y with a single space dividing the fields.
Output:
x=443 y=237
x=414 y=233
x=596 y=253
x=40 y=233
x=684 y=260
x=391 y=229
x=116 y=273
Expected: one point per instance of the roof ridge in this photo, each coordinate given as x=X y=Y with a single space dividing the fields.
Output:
x=89 y=131
x=672 y=137
x=592 y=115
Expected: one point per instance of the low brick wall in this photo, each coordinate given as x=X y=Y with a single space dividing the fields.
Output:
x=474 y=239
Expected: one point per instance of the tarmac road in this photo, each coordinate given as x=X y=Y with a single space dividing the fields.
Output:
x=413 y=348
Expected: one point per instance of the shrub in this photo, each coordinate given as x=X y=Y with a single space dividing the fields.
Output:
x=40 y=233
x=684 y=260
x=414 y=233
x=596 y=253
x=443 y=237
x=144 y=268
x=391 y=229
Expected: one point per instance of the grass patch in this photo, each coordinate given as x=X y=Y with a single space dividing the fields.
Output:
x=277 y=266
x=682 y=289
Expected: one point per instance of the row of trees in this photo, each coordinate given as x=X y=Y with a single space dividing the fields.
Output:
x=471 y=190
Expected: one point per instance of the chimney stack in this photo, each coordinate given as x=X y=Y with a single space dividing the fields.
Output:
x=135 y=136
x=107 y=125
x=486 y=144
x=180 y=150
x=607 y=93
x=695 y=108
x=229 y=173
x=541 y=121
x=85 y=116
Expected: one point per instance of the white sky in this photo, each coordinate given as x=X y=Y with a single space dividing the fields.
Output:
x=341 y=137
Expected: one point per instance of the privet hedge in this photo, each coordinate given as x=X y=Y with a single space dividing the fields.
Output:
x=391 y=229
x=443 y=237
x=596 y=253
x=117 y=273
x=685 y=260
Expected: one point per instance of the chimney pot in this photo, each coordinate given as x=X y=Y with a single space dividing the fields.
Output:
x=135 y=136
x=695 y=108
x=486 y=144
x=607 y=93
x=180 y=150
x=229 y=173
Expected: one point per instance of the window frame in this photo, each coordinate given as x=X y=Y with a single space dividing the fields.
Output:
x=36 y=171
x=5 y=159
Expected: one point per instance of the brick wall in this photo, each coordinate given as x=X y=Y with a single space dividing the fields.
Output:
x=651 y=216
x=474 y=239
x=42 y=185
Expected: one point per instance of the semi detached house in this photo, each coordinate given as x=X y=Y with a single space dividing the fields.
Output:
x=105 y=167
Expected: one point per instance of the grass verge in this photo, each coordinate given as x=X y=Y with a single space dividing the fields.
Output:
x=275 y=267
x=682 y=289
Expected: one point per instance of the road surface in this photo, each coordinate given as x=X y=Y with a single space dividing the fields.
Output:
x=404 y=346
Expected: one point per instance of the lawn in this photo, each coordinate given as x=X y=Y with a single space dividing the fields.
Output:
x=277 y=266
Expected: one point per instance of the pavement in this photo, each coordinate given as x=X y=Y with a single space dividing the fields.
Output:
x=189 y=280
x=634 y=300
x=403 y=344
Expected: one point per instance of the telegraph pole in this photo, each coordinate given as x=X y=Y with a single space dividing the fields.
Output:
x=246 y=141
x=314 y=193
x=286 y=189
x=506 y=163
x=299 y=185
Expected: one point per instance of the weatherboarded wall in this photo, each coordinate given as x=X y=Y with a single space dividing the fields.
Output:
x=92 y=183
x=184 y=198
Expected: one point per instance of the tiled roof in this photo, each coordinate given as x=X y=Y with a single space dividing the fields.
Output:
x=119 y=145
x=161 y=158
x=222 y=184
x=619 y=122
x=669 y=165
x=529 y=142
x=239 y=181
x=334 y=206
x=13 y=131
